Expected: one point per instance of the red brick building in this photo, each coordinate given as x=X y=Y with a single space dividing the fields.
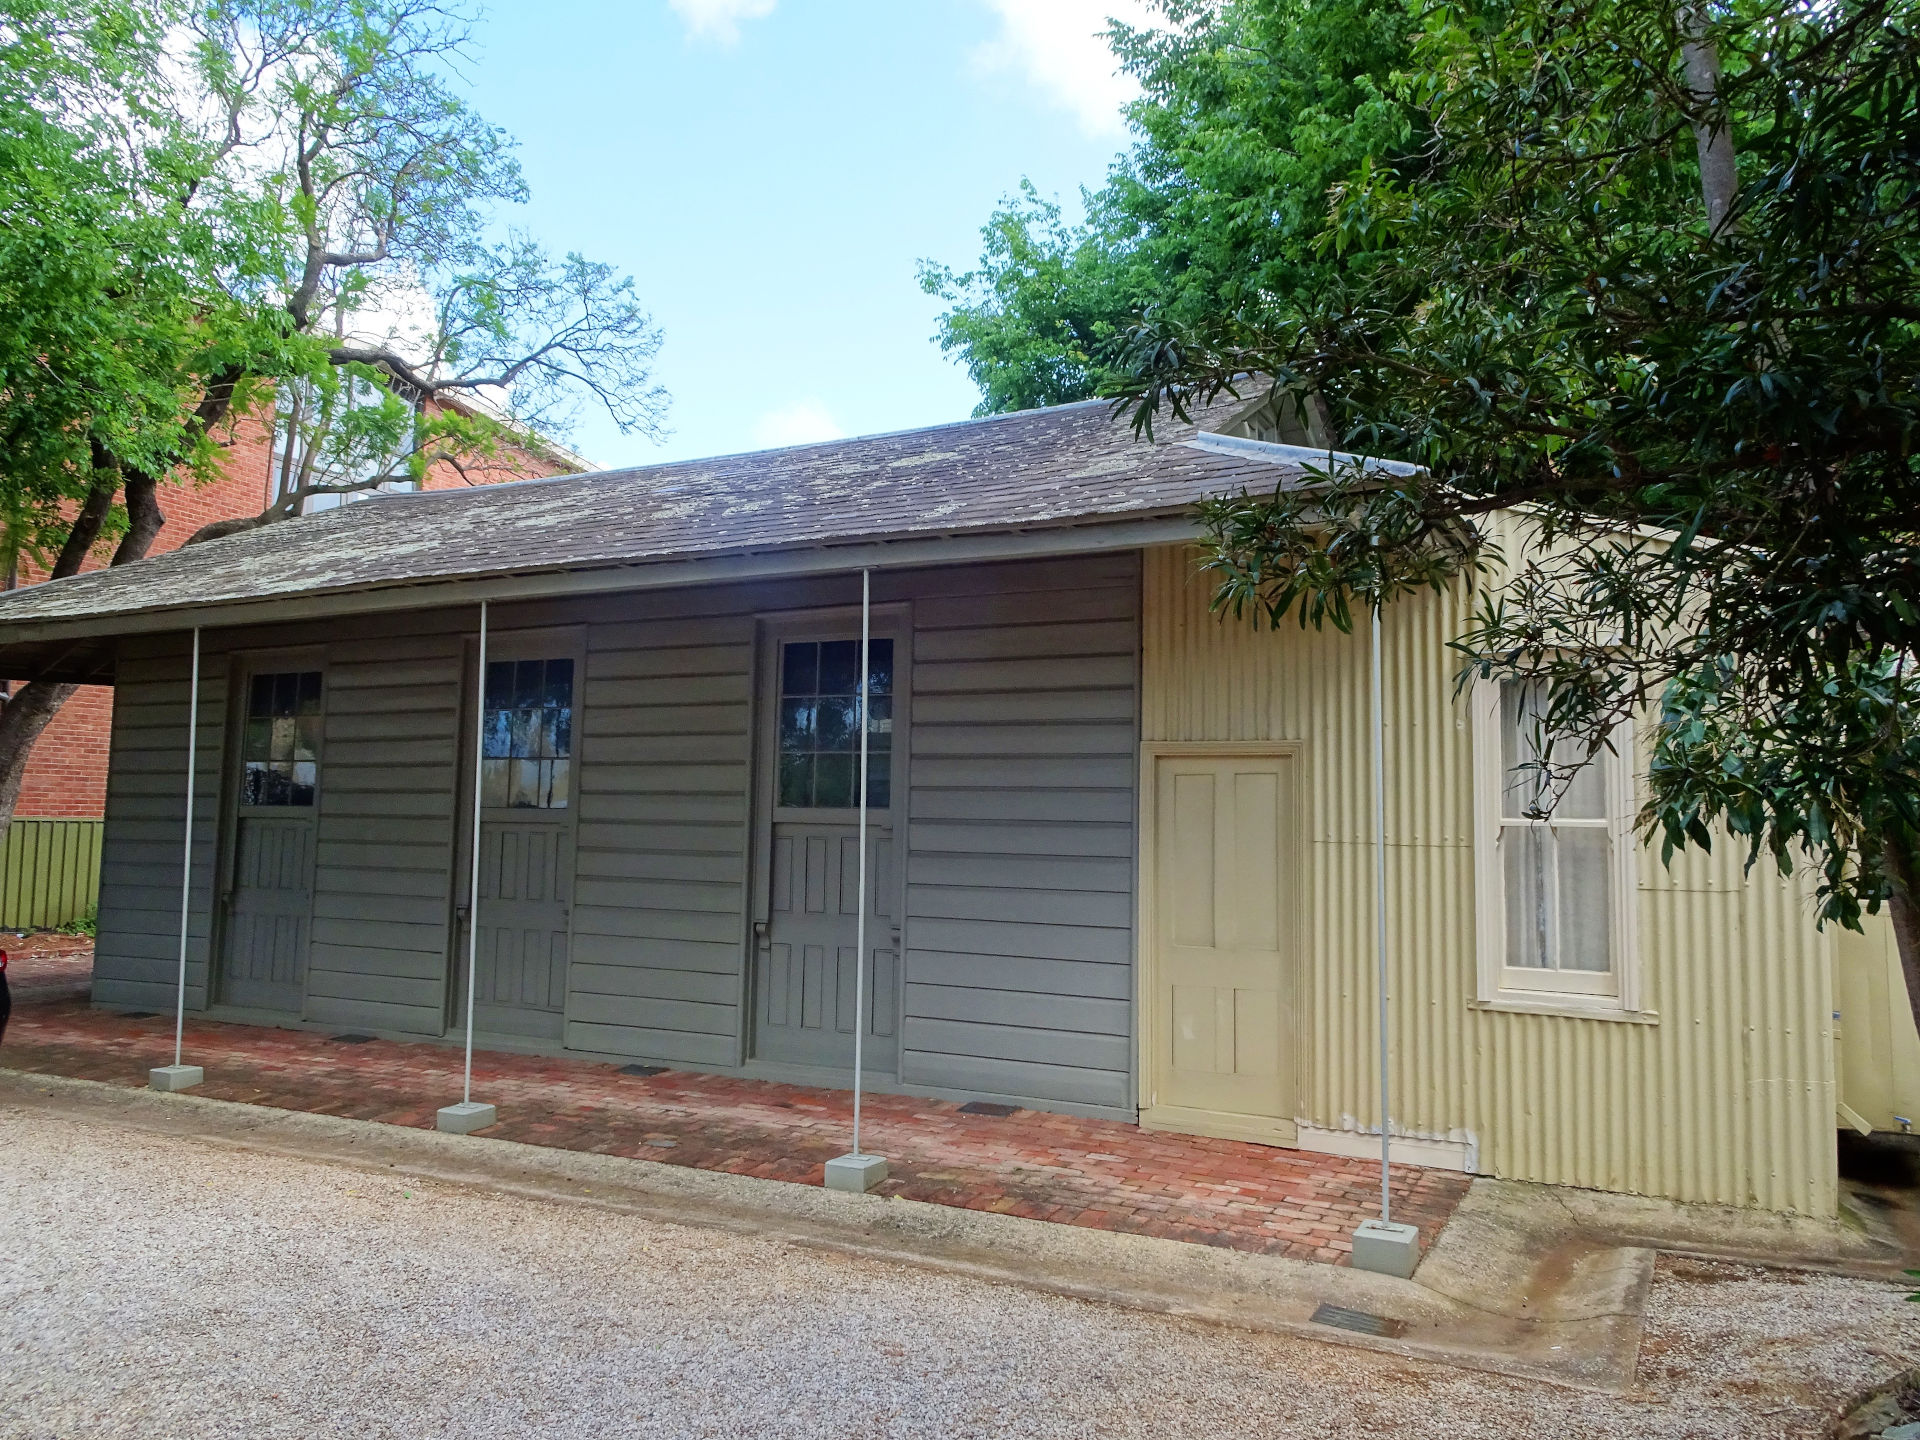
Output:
x=67 y=777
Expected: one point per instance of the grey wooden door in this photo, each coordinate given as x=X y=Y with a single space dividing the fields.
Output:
x=804 y=1002
x=269 y=895
x=526 y=847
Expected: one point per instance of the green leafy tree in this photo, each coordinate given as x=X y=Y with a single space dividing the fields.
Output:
x=1249 y=112
x=288 y=205
x=1646 y=274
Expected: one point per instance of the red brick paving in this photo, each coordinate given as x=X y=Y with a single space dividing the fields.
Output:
x=1098 y=1173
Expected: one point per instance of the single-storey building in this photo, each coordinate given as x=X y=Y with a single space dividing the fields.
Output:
x=1120 y=848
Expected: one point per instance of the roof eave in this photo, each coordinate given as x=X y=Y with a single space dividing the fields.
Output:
x=1084 y=535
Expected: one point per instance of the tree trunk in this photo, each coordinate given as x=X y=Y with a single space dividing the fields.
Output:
x=28 y=711
x=1719 y=178
x=1904 y=910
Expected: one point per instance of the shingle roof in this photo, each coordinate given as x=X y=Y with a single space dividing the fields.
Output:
x=1072 y=464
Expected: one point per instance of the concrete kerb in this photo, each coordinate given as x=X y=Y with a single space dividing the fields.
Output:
x=1588 y=1338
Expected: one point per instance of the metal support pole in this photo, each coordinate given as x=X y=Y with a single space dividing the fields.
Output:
x=179 y=1075
x=860 y=923
x=470 y=1114
x=856 y=1171
x=1380 y=911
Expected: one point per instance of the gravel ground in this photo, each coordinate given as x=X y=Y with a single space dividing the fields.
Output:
x=154 y=1286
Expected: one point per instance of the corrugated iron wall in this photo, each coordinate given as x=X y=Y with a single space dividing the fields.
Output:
x=1728 y=1096
x=49 y=872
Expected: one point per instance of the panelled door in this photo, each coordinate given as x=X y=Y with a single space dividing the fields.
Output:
x=526 y=844
x=268 y=897
x=1220 y=981
x=805 y=950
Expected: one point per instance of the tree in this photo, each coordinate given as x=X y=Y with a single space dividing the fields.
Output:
x=1249 y=112
x=1706 y=398
x=259 y=202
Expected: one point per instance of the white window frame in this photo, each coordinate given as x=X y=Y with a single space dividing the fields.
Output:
x=1613 y=995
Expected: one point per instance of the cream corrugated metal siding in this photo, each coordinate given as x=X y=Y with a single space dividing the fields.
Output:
x=1727 y=1096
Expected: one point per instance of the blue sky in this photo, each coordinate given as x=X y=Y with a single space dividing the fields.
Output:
x=769 y=171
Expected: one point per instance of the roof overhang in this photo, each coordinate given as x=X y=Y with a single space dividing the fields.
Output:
x=80 y=650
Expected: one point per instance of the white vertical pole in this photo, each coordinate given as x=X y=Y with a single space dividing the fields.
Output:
x=473 y=878
x=860 y=924
x=186 y=849
x=1380 y=907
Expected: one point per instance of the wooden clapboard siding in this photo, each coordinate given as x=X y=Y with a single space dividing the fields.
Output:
x=661 y=860
x=382 y=895
x=136 y=952
x=1020 y=846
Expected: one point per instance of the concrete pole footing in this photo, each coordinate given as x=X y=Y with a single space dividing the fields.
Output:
x=855 y=1174
x=1386 y=1247
x=465 y=1117
x=175 y=1077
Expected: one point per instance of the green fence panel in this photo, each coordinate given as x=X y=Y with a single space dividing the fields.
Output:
x=49 y=872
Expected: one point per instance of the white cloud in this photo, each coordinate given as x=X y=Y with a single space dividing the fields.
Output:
x=804 y=422
x=1060 y=47
x=719 y=19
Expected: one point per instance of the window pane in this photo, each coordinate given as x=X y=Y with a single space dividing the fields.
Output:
x=253 y=789
x=306 y=738
x=833 y=781
x=1585 y=797
x=1585 y=915
x=282 y=747
x=1520 y=784
x=879 y=718
x=493 y=783
x=529 y=682
x=1524 y=865
x=796 y=779
x=563 y=731
x=499 y=684
x=259 y=739
x=523 y=784
x=522 y=726
x=260 y=702
x=838 y=723
x=499 y=740
x=799 y=669
x=310 y=692
x=286 y=693
x=880 y=667
x=305 y=773
x=796 y=725
x=559 y=682
x=558 y=800
x=839 y=667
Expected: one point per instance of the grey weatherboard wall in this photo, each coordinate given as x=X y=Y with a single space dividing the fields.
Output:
x=1019 y=816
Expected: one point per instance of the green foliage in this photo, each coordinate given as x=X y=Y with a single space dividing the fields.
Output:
x=106 y=282
x=1710 y=428
x=1250 y=111
x=87 y=924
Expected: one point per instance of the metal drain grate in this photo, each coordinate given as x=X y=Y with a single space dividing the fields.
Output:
x=643 y=1069
x=352 y=1039
x=1359 y=1321
x=987 y=1107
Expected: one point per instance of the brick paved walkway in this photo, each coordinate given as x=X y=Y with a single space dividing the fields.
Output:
x=1098 y=1173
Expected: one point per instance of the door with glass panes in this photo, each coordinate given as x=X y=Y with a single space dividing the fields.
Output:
x=526 y=838
x=267 y=897
x=806 y=929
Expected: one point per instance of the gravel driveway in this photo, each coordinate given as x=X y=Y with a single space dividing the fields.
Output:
x=155 y=1286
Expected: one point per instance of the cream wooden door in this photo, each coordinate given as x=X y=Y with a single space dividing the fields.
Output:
x=1221 y=966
